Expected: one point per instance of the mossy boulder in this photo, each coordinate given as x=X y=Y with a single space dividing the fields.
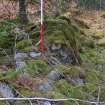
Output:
x=65 y=31
x=62 y=30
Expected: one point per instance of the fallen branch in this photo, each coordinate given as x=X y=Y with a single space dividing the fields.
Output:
x=52 y=100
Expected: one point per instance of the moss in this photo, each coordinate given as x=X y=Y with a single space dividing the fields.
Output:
x=54 y=94
x=2 y=103
x=68 y=90
x=24 y=43
x=50 y=94
x=94 y=77
x=89 y=87
x=75 y=103
x=10 y=74
x=56 y=37
x=102 y=95
x=72 y=71
x=25 y=92
x=88 y=42
x=37 y=67
x=69 y=103
x=89 y=55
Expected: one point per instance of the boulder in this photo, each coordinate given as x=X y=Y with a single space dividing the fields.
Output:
x=46 y=103
x=20 y=56
x=66 y=56
x=79 y=81
x=55 y=75
x=21 y=34
x=20 y=64
x=34 y=55
x=55 y=47
x=45 y=87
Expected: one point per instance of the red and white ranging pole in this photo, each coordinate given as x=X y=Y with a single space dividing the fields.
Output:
x=42 y=28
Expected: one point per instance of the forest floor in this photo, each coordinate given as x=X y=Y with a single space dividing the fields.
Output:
x=81 y=82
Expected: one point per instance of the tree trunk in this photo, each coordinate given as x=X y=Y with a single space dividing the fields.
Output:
x=22 y=11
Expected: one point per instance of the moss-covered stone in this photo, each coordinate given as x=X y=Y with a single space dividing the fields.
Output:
x=64 y=30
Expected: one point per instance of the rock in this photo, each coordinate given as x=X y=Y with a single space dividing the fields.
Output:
x=66 y=56
x=55 y=75
x=45 y=87
x=34 y=55
x=21 y=34
x=20 y=64
x=76 y=81
x=63 y=53
x=55 y=47
x=5 y=90
x=46 y=103
x=20 y=56
x=79 y=82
